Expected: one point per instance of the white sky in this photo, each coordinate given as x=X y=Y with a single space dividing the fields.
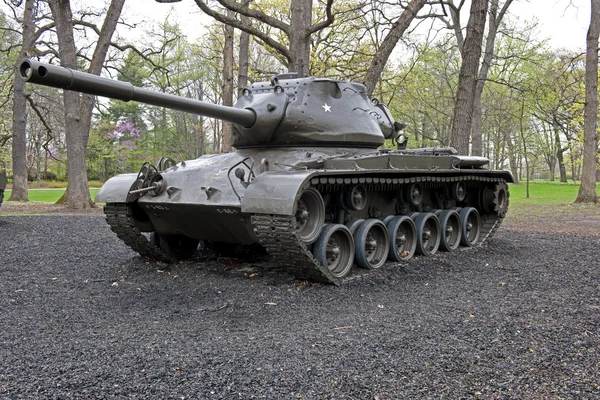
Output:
x=563 y=22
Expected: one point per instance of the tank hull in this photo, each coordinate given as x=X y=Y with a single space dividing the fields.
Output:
x=258 y=196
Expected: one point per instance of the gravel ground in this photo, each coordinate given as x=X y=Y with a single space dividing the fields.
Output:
x=82 y=316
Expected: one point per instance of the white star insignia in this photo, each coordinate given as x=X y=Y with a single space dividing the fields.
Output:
x=326 y=108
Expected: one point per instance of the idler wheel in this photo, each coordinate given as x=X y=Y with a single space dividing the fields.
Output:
x=355 y=199
x=470 y=226
x=177 y=246
x=450 y=229
x=372 y=244
x=310 y=215
x=428 y=233
x=414 y=194
x=334 y=249
x=403 y=238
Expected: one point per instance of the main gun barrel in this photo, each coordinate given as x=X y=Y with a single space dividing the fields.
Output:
x=68 y=79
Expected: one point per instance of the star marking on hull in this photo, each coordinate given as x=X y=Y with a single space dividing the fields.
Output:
x=326 y=108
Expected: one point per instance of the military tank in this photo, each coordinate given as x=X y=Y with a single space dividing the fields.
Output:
x=308 y=181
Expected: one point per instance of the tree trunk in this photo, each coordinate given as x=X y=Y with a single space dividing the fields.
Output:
x=512 y=161
x=389 y=43
x=78 y=108
x=227 y=82
x=522 y=131
x=477 y=122
x=243 y=54
x=587 y=189
x=467 y=79
x=560 y=155
x=301 y=20
x=488 y=56
x=19 y=142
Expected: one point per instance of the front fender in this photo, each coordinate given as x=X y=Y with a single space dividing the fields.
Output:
x=275 y=192
x=116 y=190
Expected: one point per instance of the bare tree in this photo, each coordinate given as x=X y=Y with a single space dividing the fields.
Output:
x=390 y=41
x=78 y=107
x=19 y=142
x=587 y=189
x=495 y=17
x=243 y=55
x=298 y=30
x=227 y=81
x=467 y=79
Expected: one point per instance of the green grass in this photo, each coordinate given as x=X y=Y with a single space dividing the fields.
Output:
x=545 y=192
x=46 y=195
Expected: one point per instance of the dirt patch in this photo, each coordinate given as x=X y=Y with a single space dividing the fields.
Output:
x=571 y=219
x=36 y=208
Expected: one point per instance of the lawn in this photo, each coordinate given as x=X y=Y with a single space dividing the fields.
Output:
x=47 y=195
x=544 y=192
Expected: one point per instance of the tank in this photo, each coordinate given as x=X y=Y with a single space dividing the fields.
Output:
x=309 y=181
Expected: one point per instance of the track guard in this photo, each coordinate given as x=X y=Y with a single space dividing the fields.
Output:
x=116 y=190
x=275 y=192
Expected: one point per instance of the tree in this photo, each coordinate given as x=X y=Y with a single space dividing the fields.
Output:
x=496 y=14
x=298 y=28
x=557 y=105
x=587 y=189
x=297 y=31
x=467 y=78
x=227 y=81
x=426 y=100
x=19 y=143
x=390 y=41
x=495 y=17
x=508 y=98
x=243 y=54
x=78 y=107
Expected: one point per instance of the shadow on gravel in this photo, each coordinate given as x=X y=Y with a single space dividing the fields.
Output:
x=82 y=316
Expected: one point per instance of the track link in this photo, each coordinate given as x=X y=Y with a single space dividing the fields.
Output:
x=118 y=216
x=276 y=233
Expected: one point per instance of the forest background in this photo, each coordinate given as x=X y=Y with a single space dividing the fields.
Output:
x=528 y=106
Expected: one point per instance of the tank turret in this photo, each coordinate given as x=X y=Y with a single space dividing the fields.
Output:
x=286 y=111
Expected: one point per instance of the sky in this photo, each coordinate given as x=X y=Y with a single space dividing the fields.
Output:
x=563 y=22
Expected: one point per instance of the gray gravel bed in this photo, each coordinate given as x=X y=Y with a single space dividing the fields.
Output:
x=83 y=316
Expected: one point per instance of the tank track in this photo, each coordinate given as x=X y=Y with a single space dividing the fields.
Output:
x=276 y=233
x=118 y=216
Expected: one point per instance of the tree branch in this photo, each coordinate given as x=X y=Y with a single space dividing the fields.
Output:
x=323 y=24
x=244 y=27
x=254 y=13
x=39 y=114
